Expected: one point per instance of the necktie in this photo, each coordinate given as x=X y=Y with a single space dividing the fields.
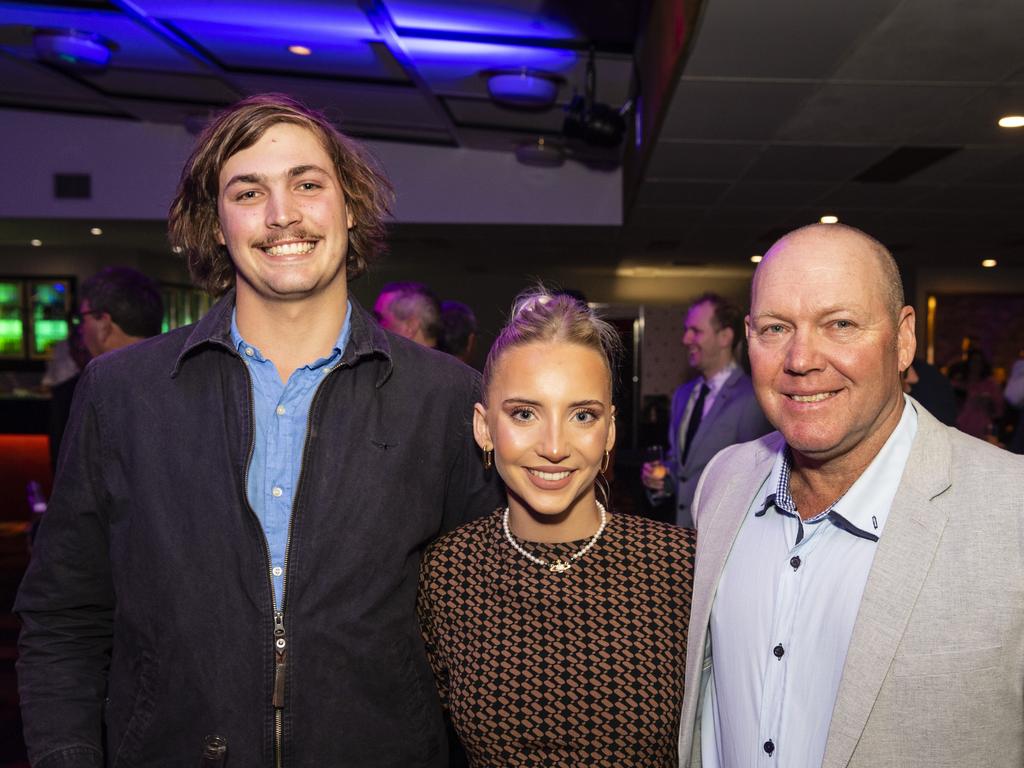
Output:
x=695 y=416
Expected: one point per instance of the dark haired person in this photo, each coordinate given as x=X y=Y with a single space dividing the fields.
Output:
x=459 y=335
x=557 y=630
x=233 y=542
x=714 y=410
x=118 y=307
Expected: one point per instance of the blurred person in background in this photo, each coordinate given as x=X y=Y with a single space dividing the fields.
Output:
x=459 y=330
x=982 y=398
x=714 y=410
x=411 y=310
x=118 y=307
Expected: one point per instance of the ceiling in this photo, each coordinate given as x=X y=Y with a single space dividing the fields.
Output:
x=881 y=112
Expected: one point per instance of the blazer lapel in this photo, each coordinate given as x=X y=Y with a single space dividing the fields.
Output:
x=901 y=563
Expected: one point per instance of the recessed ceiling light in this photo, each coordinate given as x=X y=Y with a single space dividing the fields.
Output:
x=177 y=249
x=988 y=263
x=95 y=231
x=829 y=219
x=1012 y=121
x=299 y=50
x=756 y=258
x=35 y=243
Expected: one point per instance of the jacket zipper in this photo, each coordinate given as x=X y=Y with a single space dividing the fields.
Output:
x=280 y=639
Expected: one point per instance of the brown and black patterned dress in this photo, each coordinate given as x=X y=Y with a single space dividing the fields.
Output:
x=580 y=668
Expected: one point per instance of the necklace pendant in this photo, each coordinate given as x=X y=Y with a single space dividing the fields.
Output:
x=559 y=566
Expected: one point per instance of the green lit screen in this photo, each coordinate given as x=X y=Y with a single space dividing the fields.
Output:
x=11 y=329
x=49 y=315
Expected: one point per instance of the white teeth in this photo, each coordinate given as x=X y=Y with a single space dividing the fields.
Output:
x=812 y=398
x=290 y=249
x=549 y=475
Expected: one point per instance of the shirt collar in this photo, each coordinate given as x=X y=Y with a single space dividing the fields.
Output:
x=716 y=382
x=864 y=509
x=339 y=345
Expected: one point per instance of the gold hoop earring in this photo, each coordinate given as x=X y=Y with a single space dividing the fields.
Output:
x=488 y=458
x=604 y=464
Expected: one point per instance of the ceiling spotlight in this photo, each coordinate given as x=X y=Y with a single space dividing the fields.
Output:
x=73 y=49
x=35 y=243
x=1012 y=121
x=523 y=88
x=300 y=50
x=829 y=219
x=95 y=231
x=177 y=249
x=988 y=263
x=756 y=258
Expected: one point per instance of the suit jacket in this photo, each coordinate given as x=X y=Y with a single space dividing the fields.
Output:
x=734 y=417
x=934 y=675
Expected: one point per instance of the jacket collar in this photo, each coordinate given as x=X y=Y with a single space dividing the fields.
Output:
x=367 y=339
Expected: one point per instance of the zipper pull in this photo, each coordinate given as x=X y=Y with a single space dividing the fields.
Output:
x=280 y=647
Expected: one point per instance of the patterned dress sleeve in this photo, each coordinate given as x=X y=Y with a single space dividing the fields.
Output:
x=425 y=608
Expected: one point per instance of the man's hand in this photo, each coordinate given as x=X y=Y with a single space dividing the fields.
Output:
x=653 y=476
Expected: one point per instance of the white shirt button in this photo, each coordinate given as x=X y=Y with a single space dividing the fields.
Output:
x=250 y=351
x=278 y=570
x=280 y=410
x=277 y=491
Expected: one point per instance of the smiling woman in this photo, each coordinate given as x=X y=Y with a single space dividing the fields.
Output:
x=557 y=631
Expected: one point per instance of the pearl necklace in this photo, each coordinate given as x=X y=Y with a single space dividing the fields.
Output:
x=558 y=566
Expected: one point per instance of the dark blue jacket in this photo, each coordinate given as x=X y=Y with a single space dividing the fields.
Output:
x=147 y=607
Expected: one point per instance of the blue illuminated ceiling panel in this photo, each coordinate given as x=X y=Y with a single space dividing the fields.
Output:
x=339 y=17
x=522 y=20
x=333 y=53
x=138 y=48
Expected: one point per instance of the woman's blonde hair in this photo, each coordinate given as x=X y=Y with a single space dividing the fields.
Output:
x=541 y=315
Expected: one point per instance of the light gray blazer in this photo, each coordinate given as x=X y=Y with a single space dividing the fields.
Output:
x=934 y=675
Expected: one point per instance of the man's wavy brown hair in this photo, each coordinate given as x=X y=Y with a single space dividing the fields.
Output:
x=193 y=222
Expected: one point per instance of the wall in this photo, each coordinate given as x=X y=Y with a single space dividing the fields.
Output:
x=135 y=168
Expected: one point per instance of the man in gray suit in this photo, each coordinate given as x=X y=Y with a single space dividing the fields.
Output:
x=710 y=412
x=859 y=589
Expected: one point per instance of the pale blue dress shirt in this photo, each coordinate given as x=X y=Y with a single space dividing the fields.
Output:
x=281 y=412
x=784 y=613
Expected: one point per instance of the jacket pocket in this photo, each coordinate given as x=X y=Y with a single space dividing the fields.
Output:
x=137 y=726
x=420 y=704
x=947 y=662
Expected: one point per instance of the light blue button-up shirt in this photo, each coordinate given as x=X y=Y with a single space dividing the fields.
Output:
x=784 y=613
x=281 y=411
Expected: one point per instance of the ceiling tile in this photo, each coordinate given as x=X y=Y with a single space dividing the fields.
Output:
x=749 y=38
x=870 y=114
x=773 y=194
x=170 y=86
x=693 y=160
x=352 y=104
x=681 y=193
x=731 y=111
x=813 y=163
x=256 y=48
x=947 y=41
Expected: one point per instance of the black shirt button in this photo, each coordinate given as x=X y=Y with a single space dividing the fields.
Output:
x=769 y=747
x=779 y=651
x=795 y=562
